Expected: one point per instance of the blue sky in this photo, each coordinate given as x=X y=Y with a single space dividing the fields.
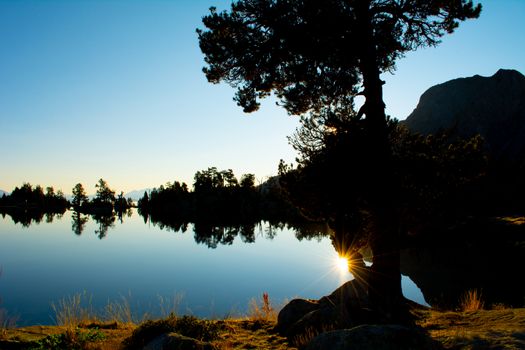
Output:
x=113 y=89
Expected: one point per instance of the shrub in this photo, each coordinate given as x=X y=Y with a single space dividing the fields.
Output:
x=471 y=301
x=188 y=326
x=70 y=340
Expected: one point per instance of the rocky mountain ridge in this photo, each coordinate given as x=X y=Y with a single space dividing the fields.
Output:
x=493 y=107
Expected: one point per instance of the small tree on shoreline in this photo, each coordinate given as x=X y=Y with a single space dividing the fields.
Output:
x=79 y=196
x=105 y=195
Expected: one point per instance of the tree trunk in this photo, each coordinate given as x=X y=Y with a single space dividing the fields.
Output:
x=385 y=280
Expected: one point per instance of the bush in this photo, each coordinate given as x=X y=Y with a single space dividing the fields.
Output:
x=188 y=326
x=70 y=340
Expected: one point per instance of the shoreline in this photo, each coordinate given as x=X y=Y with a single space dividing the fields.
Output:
x=496 y=328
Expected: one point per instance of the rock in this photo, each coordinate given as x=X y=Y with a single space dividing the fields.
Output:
x=374 y=337
x=293 y=312
x=353 y=292
x=175 y=341
x=347 y=306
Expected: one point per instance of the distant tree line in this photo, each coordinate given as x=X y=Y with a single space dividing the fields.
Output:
x=104 y=201
x=28 y=197
x=217 y=197
x=28 y=204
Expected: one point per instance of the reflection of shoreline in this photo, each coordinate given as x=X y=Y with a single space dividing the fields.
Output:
x=487 y=258
x=444 y=272
x=26 y=216
x=150 y=262
x=486 y=255
x=211 y=233
x=215 y=233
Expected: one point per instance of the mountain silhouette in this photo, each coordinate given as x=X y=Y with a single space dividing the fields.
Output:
x=137 y=194
x=493 y=107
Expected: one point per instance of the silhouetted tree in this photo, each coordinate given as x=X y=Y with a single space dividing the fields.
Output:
x=248 y=181
x=50 y=192
x=316 y=57
x=143 y=206
x=122 y=204
x=79 y=196
x=27 y=204
x=229 y=178
x=217 y=198
x=208 y=180
x=104 y=193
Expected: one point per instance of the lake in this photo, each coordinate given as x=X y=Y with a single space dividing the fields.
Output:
x=141 y=262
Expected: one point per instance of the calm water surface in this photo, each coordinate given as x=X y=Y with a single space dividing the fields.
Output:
x=45 y=262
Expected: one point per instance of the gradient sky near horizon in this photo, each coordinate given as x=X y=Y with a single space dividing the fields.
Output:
x=113 y=89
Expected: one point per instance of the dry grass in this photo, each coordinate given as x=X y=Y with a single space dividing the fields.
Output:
x=247 y=334
x=482 y=329
x=74 y=310
x=170 y=306
x=262 y=310
x=304 y=338
x=471 y=301
x=513 y=220
x=499 y=306
x=475 y=329
x=77 y=310
x=6 y=320
x=121 y=311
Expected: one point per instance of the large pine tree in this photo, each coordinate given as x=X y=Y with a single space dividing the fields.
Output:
x=316 y=56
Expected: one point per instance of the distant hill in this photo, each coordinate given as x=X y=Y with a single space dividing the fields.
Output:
x=493 y=107
x=137 y=194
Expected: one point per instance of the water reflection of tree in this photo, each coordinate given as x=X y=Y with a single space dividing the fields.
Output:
x=105 y=222
x=124 y=212
x=78 y=222
x=488 y=258
x=212 y=235
x=216 y=233
x=310 y=230
x=28 y=216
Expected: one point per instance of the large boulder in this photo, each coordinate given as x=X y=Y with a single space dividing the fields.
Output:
x=294 y=311
x=347 y=306
x=374 y=337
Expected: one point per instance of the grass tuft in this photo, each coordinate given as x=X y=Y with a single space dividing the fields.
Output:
x=471 y=301
x=169 y=307
x=262 y=310
x=306 y=337
x=121 y=311
x=6 y=321
x=73 y=310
